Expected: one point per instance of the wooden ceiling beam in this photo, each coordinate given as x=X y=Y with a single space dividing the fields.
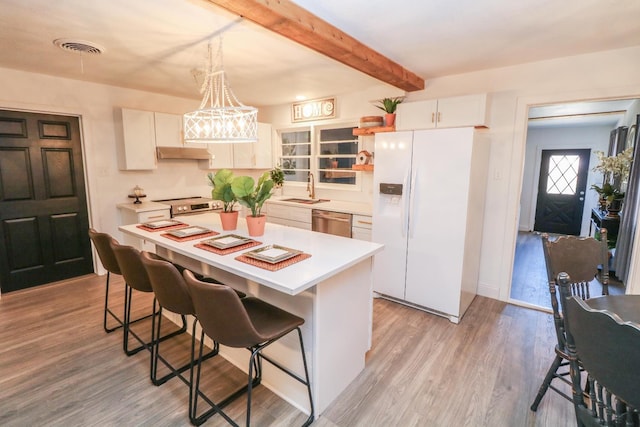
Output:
x=290 y=20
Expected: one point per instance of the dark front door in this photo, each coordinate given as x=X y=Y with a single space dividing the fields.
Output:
x=43 y=210
x=561 y=190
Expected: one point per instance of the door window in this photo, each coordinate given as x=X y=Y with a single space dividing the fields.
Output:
x=562 y=177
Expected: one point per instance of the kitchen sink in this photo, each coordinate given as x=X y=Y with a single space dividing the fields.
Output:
x=306 y=201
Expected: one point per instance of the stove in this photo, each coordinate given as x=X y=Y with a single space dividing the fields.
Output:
x=191 y=205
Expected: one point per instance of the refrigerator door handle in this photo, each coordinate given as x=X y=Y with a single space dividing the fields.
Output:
x=404 y=212
x=414 y=179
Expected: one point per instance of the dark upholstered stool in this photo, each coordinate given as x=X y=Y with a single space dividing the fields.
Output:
x=102 y=242
x=248 y=322
x=135 y=275
x=172 y=294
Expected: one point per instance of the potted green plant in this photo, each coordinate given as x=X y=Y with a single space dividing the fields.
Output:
x=221 y=183
x=277 y=176
x=253 y=196
x=389 y=105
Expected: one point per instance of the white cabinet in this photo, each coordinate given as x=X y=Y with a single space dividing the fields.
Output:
x=131 y=213
x=168 y=130
x=361 y=227
x=221 y=157
x=142 y=132
x=256 y=155
x=459 y=111
x=292 y=216
x=137 y=142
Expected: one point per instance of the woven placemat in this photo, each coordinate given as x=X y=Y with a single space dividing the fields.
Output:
x=227 y=251
x=272 y=267
x=187 y=238
x=167 y=228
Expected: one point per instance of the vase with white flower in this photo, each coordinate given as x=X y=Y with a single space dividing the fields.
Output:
x=615 y=170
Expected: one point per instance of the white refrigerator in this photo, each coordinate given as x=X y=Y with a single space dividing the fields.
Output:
x=428 y=209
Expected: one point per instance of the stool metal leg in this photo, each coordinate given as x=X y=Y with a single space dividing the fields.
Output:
x=155 y=352
x=128 y=322
x=107 y=310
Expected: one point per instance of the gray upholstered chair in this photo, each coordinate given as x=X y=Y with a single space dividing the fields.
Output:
x=607 y=349
x=248 y=322
x=584 y=259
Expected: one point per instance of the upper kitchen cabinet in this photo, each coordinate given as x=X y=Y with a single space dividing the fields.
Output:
x=459 y=111
x=243 y=156
x=136 y=140
x=168 y=130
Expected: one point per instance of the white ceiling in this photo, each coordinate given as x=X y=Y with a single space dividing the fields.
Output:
x=155 y=44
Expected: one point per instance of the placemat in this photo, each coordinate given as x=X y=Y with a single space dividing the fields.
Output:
x=187 y=238
x=227 y=251
x=272 y=267
x=153 y=230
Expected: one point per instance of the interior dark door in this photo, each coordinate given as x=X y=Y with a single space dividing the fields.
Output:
x=561 y=190
x=43 y=210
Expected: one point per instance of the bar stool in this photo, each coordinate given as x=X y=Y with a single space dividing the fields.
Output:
x=130 y=262
x=101 y=241
x=248 y=322
x=172 y=294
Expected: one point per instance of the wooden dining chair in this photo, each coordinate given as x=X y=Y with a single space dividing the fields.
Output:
x=583 y=259
x=607 y=348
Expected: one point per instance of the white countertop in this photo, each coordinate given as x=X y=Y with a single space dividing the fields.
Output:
x=143 y=207
x=329 y=254
x=331 y=205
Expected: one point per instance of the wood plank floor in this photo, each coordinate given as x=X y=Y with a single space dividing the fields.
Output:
x=59 y=368
x=529 y=278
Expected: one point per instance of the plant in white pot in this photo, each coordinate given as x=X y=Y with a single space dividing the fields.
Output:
x=253 y=195
x=221 y=183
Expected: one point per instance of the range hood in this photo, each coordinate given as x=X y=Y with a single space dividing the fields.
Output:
x=182 y=153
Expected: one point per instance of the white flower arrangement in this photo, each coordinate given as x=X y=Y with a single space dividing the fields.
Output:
x=617 y=166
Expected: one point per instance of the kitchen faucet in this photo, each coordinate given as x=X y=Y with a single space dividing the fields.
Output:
x=311 y=187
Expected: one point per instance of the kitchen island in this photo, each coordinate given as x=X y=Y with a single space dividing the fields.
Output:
x=331 y=290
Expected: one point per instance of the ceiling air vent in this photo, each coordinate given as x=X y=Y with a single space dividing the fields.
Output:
x=79 y=46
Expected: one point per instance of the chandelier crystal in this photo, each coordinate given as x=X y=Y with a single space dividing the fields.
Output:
x=221 y=118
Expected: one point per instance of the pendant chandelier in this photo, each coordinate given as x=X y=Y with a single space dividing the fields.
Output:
x=221 y=118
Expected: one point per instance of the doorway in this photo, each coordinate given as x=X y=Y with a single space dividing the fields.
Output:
x=561 y=191
x=563 y=127
x=44 y=216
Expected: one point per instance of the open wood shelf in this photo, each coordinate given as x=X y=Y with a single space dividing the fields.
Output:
x=373 y=130
x=362 y=167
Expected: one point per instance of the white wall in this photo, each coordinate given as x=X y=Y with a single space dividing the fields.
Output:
x=350 y=107
x=603 y=75
x=610 y=74
x=95 y=105
x=566 y=137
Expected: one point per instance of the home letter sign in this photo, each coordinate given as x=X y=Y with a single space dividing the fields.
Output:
x=317 y=109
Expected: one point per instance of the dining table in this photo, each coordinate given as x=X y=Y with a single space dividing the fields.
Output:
x=627 y=307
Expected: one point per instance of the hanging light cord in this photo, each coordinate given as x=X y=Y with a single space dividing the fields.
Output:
x=216 y=94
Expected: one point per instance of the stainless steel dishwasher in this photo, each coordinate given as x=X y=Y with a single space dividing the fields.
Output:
x=337 y=223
